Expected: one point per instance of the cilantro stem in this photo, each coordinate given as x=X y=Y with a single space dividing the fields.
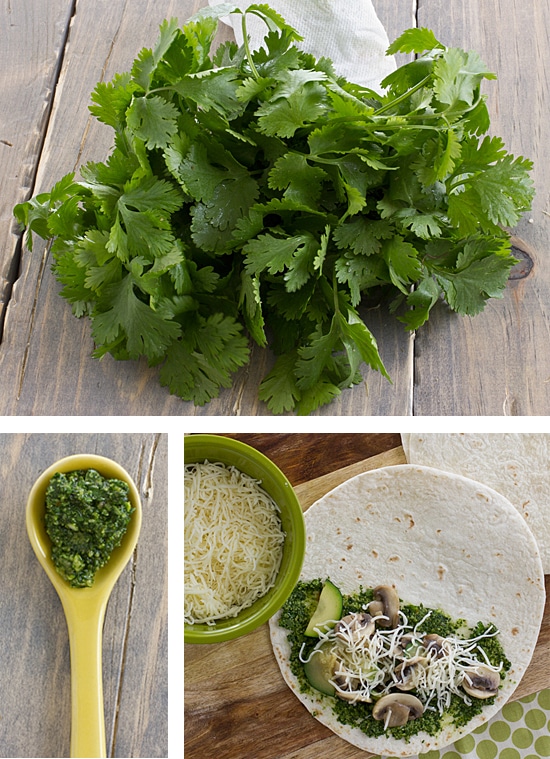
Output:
x=405 y=95
x=247 y=50
x=335 y=292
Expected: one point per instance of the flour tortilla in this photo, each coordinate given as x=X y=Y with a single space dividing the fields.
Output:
x=440 y=539
x=517 y=465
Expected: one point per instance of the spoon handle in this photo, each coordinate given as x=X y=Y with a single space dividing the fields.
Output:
x=87 y=714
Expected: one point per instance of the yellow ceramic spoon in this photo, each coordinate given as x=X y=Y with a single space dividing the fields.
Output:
x=84 y=607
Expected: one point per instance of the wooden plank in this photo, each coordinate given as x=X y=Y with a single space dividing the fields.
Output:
x=142 y=691
x=311 y=456
x=498 y=363
x=33 y=38
x=233 y=689
x=34 y=643
x=42 y=338
x=45 y=360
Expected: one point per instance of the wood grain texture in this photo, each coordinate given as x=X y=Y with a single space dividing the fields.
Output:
x=34 y=643
x=308 y=457
x=497 y=363
x=32 y=42
x=236 y=701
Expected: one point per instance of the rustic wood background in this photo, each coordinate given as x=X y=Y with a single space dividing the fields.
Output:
x=236 y=701
x=34 y=649
x=53 y=54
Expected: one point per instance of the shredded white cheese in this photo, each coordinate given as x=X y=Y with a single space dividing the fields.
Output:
x=233 y=542
x=367 y=666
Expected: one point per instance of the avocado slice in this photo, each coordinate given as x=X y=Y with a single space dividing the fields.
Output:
x=329 y=610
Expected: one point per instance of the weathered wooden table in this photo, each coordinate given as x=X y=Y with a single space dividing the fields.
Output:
x=53 y=54
x=236 y=701
x=34 y=648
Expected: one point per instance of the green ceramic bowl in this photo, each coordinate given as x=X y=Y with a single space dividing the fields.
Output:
x=216 y=448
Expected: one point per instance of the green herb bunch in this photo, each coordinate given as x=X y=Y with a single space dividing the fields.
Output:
x=257 y=196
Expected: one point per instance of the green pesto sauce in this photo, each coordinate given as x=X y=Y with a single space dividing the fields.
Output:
x=86 y=518
x=295 y=616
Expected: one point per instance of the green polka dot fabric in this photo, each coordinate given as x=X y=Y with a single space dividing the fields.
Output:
x=521 y=730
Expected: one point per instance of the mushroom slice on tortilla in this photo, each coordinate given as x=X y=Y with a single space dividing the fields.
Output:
x=350 y=689
x=481 y=682
x=435 y=645
x=397 y=709
x=385 y=604
x=408 y=672
x=355 y=626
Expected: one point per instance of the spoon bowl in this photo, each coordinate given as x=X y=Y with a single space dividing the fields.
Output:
x=84 y=608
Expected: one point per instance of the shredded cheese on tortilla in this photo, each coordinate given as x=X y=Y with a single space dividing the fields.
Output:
x=233 y=542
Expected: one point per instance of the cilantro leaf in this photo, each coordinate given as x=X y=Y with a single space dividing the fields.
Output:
x=145 y=331
x=422 y=300
x=112 y=99
x=360 y=273
x=201 y=362
x=314 y=356
x=213 y=90
x=416 y=40
x=488 y=190
x=251 y=302
x=439 y=158
x=363 y=235
x=278 y=389
x=312 y=398
x=358 y=338
x=403 y=263
x=292 y=105
x=297 y=178
x=478 y=277
x=198 y=174
x=296 y=255
x=153 y=120
x=503 y=190
x=273 y=20
x=147 y=60
x=141 y=223
x=458 y=75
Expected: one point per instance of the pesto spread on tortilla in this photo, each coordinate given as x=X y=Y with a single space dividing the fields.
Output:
x=444 y=542
x=387 y=666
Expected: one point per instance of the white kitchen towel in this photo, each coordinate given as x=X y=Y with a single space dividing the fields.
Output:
x=347 y=31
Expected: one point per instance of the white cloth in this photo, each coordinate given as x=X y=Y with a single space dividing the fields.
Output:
x=347 y=31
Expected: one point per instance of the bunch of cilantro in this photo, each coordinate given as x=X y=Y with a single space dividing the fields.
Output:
x=256 y=196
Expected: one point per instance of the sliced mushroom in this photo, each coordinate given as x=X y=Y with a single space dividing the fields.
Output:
x=481 y=682
x=356 y=625
x=376 y=608
x=386 y=604
x=435 y=645
x=397 y=709
x=407 y=673
x=347 y=692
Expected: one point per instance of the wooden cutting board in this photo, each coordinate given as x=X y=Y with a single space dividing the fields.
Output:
x=237 y=704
